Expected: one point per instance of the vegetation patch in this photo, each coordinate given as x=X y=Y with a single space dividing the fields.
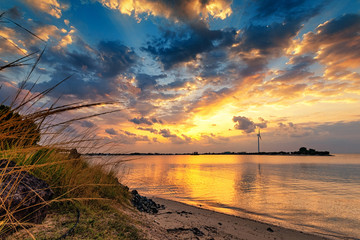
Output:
x=97 y=221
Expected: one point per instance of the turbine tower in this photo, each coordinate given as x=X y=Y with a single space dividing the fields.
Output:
x=259 y=137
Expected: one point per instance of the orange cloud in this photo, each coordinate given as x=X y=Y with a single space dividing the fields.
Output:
x=67 y=39
x=10 y=42
x=47 y=31
x=336 y=45
x=52 y=7
x=177 y=10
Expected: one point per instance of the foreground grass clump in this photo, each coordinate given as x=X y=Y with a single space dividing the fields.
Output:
x=71 y=177
x=77 y=187
x=97 y=221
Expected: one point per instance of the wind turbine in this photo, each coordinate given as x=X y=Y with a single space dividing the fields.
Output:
x=259 y=137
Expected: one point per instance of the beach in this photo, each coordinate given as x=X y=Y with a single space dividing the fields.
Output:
x=182 y=221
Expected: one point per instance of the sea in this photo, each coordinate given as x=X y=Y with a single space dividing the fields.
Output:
x=315 y=194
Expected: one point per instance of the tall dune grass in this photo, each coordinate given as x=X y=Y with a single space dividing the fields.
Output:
x=23 y=123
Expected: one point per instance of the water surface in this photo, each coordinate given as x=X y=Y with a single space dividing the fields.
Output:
x=310 y=193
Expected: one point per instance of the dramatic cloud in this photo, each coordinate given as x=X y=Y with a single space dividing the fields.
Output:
x=14 y=13
x=246 y=125
x=294 y=130
x=182 y=46
x=299 y=70
x=145 y=81
x=87 y=124
x=47 y=31
x=147 y=121
x=129 y=138
x=213 y=139
x=141 y=120
x=166 y=133
x=155 y=120
x=261 y=42
x=152 y=130
x=336 y=45
x=183 y=10
x=115 y=57
x=7 y=45
x=111 y=131
x=129 y=133
x=52 y=7
x=97 y=73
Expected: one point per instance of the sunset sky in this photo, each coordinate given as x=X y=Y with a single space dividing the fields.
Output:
x=196 y=75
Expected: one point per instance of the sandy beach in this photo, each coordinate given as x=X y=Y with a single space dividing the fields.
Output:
x=181 y=221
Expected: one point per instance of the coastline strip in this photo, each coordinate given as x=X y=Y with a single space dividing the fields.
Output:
x=182 y=221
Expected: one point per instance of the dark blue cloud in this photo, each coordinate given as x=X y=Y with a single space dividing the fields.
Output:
x=14 y=13
x=167 y=134
x=144 y=120
x=346 y=26
x=177 y=47
x=145 y=81
x=247 y=125
x=111 y=131
x=155 y=120
x=338 y=40
x=78 y=85
x=129 y=133
x=180 y=83
x=83 y=61
x=129 y=138
x=299 y=69
x=270 y=40
x=152 y=130
x=94 y=71
x=141 y=120
x=115 y=58
x=87 y=124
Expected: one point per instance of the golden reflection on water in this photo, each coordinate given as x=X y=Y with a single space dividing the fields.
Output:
x=285 y=190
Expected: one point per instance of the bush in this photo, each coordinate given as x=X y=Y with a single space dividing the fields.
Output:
x=17 y=130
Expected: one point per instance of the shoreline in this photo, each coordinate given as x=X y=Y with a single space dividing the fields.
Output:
x=182 y=221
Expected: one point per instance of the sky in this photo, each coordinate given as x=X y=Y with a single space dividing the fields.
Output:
x=195 y=75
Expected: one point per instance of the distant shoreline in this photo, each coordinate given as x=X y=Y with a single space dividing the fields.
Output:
x=281 y=153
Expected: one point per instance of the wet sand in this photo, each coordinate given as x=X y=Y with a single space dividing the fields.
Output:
x=181 y=221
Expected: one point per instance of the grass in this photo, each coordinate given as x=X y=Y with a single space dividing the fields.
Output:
x=76 y=185
x=100 y=221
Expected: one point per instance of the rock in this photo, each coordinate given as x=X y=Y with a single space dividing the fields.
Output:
x=74 y=154
x=22 y=194
x=143 y=204
x=197 y=232
x=269 y=229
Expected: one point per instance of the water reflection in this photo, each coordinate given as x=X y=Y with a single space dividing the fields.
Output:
x=311 y=193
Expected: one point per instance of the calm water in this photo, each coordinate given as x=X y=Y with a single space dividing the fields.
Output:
x=313 y=194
